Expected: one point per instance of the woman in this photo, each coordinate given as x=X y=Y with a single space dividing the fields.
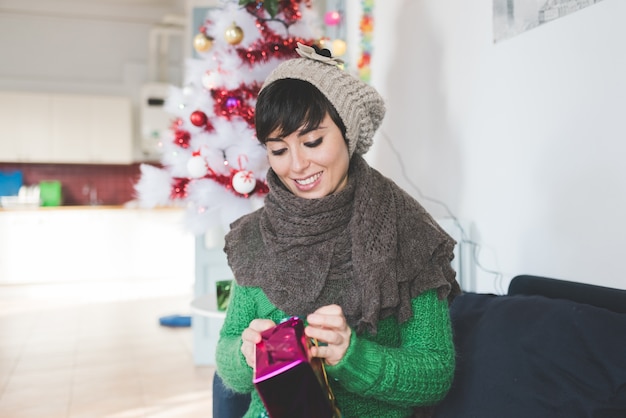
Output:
x=342 y=246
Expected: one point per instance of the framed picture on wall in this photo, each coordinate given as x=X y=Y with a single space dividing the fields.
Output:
x=196 y=14
x=512 y=17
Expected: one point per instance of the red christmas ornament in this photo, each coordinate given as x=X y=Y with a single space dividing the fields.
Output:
x=261 y=188
x=237 y=102
x=176 y=123
x=181 y=138
x=271 y=46
x=198 y=118
x=179 y=188
x=291 y=11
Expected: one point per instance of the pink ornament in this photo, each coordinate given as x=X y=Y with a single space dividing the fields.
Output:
x=332 y=18
x=233 y=103
x=243 y=182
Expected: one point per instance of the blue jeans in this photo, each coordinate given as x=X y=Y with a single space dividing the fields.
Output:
x=226 y=403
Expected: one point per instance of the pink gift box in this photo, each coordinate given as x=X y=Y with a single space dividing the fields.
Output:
x=289 y=381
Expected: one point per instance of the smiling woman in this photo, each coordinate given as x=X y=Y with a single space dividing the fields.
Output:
x=312 y=162
x=342 y=246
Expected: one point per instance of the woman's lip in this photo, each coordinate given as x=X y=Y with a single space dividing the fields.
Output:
x=308 y=186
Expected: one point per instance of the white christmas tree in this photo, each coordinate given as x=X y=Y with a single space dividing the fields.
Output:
x=212 y=163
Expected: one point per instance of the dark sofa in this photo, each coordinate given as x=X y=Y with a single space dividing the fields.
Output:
x=548 y=349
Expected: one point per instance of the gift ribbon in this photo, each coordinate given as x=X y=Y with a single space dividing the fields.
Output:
x=329 y=391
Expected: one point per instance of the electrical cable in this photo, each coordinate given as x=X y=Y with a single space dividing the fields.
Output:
x=497 y=280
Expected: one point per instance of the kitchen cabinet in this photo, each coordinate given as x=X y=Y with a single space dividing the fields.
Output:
x=63 y=128
x=25 y=127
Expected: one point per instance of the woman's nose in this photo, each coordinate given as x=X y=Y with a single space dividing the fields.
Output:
x=299 y=161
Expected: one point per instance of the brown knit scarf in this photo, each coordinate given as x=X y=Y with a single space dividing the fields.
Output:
x=370 y=248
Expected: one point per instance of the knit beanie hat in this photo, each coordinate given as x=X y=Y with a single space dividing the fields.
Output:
x=359 y=105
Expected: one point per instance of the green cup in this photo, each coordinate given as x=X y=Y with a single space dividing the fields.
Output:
x=50 y=193
x=222 y=288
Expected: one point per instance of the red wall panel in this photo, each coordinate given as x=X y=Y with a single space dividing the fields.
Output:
x=113 y=184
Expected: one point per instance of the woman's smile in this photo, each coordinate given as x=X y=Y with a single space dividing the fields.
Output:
x=313 y=163
x=309 y=182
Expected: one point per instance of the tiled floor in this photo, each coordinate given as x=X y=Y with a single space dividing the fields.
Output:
x=97 y=350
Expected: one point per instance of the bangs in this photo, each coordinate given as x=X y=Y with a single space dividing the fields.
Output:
x=288 y=105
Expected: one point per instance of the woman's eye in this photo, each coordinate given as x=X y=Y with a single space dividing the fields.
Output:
x=278 y=152
x=313 y=144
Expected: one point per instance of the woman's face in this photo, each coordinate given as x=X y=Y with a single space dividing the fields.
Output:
x=311 y=164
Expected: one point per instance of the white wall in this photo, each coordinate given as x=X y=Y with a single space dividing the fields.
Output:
x=73 y=46
x=84 y=47
x=525 y=138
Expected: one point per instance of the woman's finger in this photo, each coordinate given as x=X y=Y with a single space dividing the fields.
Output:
x=261 y=325
x=327 y=336
x=330 y=316
x=328 y=325
x=251 y=336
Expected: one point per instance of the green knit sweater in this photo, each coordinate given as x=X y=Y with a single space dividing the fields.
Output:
x=386 y=375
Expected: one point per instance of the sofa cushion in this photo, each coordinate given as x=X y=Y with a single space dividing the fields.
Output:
x=530 y=356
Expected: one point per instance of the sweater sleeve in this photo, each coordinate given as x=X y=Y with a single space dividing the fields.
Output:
x=418 y=372
x=231 y=364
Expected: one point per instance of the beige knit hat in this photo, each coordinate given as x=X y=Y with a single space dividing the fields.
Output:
x=359 y=105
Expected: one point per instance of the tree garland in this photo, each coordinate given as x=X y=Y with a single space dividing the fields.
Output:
x=367 y=28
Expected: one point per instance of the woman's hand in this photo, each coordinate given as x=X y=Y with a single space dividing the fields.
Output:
x=328 y=325
x=251 y=336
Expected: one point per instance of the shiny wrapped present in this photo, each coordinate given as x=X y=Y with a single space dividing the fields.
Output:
x=290 y=382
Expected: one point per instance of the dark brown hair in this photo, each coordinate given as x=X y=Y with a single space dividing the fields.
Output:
x=288 y=105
